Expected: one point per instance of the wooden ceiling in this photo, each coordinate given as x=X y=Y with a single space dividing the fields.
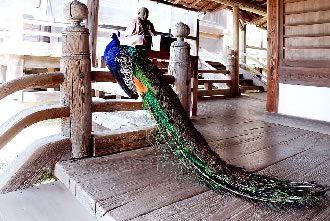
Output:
x=252 y=11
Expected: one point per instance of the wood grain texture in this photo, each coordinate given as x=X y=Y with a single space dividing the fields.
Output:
x=30 y=81
x=121 y=140
x=128 y=185
x=34 y=161
x=76 y=91
x=116 y=105
x=27 y=117
x=273 y=56
x=180 y=68
x=92 y=24
x=305 y=76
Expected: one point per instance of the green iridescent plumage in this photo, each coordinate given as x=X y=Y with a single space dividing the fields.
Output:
x=193 y=152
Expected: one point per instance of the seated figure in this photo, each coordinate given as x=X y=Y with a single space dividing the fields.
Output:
x=140 y=30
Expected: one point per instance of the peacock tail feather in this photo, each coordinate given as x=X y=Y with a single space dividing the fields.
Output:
x=191 y=150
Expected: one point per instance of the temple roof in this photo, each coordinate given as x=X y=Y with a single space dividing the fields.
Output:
x=252 y=11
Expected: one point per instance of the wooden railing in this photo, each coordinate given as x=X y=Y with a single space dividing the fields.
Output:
x=77 y=139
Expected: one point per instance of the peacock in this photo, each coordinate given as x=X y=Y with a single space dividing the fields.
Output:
x=136 y=74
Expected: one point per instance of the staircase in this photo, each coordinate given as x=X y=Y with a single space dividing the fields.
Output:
x=245 y=84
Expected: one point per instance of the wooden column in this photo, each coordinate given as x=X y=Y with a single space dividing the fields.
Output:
x=242 y=43
x=179 y=65
x=197 y=37
x=273 y=56
x=92 y=25
x=76 y=88
x=235 y=73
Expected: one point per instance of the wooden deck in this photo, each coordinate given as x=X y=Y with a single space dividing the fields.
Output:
x=130 y=185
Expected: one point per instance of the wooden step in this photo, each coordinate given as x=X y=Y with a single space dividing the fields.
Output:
x=217 y=65
x=245 y=82
x=251 y=88
x=204 y=81
x=213 y=71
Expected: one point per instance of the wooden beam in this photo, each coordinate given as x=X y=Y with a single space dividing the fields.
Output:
x=273 y=56
x=116 y=105
x=178 y=5
x=235 y=74
x=210 y=35
x=220 y=7
x=92 y=24
x=245 y=5
x=122 y=139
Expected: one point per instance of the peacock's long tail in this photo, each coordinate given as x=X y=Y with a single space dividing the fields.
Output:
x=192 y=150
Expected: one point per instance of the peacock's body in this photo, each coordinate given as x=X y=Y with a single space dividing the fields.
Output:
x=188 y=145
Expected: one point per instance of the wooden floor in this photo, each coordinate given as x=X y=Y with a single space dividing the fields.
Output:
x=130 y=185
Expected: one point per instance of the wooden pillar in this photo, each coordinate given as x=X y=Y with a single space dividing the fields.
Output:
x=76 y=88
x=235 y=73
x=92 y=25
x=179 y=65
x=272 y=56
x=197 y=37
x=242 y=43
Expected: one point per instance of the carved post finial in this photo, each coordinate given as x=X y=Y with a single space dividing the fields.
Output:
x=180 y=30
x=75 y=12
x=179 y=65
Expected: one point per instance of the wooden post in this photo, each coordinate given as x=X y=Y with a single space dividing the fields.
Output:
x=272 y=56
x=242 y=45
x=197 y=37
x=76 y=88
x=179 y=65
x=194 y=75
x=92 y=25
x=235 y=73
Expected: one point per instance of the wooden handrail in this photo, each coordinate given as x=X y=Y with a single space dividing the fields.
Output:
x=104 y=75
x=31 y=81
x=29 y=116
x=253 y=59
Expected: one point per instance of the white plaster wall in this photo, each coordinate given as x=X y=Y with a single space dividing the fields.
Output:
x=305 y=101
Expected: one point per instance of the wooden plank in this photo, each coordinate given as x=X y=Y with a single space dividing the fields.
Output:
x=202 y=93
x=318 y=64
x=116 y=105
x=92 y=24
x=214 y=71
x=310 y=165
x=29 y=166
x=273 y=56
x=133 y=184
x=305 y=76
x=122 y=139
x=34 y=204
x=307 y=6
x=102 y=75
x=29 y=116
x=203 y=81
x=30 y=81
